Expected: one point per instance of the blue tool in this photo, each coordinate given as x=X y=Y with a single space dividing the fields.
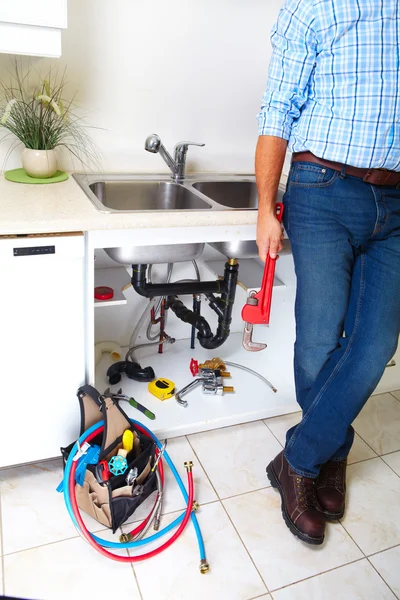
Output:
x=89 y=456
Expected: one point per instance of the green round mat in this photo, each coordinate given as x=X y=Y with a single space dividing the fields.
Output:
x=19 y=176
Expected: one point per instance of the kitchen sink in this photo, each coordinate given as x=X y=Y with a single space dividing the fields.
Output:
x=153 y=255
x=232 y=194
x=145 y=195
x=245 y=248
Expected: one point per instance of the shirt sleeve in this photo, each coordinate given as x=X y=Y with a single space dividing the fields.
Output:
x=294 y=52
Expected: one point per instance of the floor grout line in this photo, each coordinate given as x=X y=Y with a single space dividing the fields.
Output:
x=385 y=463
x=233 y=525
x=384 y=581
x=137 y=581
x=351 y=562
x=270 y=430
x=380 y=551
x=392 y=394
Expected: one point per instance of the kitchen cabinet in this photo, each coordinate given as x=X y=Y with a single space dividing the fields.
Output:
x=42 y=356
x=32 y=28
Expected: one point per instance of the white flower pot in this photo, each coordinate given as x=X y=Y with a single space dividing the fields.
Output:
x=39 y=163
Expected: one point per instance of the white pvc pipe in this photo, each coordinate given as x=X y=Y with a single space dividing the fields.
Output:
x=107 y=348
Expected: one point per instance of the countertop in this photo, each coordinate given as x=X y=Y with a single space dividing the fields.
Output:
x=63 y=207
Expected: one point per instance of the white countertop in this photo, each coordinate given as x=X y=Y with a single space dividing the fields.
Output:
x=63 y=207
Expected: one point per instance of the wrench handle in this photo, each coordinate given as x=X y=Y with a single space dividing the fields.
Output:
x=265 y=294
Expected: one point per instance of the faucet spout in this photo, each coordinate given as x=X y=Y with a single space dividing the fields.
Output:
x=154 y=145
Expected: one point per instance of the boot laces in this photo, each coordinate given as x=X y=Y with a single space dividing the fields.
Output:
x=307 y=492
x=332 y=473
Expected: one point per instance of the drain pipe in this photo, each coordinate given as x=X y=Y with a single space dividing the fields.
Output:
x=222 y=306
x=149 y=290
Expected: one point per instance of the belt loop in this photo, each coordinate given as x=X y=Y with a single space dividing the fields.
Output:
x=343 y=172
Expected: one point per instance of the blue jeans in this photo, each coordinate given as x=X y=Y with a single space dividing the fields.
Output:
x=345 y=237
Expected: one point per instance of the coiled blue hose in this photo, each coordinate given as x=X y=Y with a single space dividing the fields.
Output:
x=107 y=543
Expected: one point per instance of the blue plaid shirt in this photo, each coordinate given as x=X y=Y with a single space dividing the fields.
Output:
x=333 y=85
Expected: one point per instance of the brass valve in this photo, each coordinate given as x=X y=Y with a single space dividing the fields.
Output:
x=214 y=363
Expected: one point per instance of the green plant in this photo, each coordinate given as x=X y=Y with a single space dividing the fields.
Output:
x=41 y=118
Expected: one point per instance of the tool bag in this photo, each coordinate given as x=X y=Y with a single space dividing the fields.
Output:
x=112 y=501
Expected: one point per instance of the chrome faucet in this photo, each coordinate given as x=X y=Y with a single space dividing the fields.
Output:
x=177 y=164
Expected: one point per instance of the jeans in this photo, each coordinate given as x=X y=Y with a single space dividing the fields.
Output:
x=345 y=237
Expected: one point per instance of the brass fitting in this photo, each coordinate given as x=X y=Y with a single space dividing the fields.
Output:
x=228 y=389
x=195 y=506
x=204 y=566
x=125 y=537
x=225 y=374
x=232 y=262
x=214 y=363
x=189 y=466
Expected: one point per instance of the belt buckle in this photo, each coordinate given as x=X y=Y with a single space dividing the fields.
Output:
x=382 y=176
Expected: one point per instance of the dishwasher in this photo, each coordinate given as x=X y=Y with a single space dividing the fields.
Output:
x=42 y=355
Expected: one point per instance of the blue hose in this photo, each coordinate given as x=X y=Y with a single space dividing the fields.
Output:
x=107 y=543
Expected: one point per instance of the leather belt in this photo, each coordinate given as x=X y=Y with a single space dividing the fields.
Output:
x=373 y=176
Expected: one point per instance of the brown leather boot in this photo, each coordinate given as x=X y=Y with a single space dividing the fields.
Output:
x=299 y=501
x=331 y=489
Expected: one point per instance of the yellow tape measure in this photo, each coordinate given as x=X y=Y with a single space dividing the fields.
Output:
x=162 y=388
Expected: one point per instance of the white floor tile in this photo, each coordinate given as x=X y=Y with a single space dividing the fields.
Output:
x=279 y=556
x=373 y=505
x=357 y=581
x=396 y=394
x=180 y=451
x=33 y=513
x=66 y=570
x=174 y=574
x=379 y=423
x=279 y=426
x=393 y=460
x=235 y=458
x=387 y=564
x=360 y=451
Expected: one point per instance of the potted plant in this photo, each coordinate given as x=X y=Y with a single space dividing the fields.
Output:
x=42 y=120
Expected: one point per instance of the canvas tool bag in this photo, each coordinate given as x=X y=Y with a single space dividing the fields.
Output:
x=113 y=501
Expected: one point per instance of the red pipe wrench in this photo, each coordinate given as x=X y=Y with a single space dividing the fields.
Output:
x=258 y=307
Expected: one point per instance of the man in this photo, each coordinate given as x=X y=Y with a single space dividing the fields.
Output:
x=332 y=97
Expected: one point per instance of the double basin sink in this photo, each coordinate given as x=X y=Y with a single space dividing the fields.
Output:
x=137 y=193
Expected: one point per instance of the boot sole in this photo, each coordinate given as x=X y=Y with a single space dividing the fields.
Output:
x=332 y=516
x=299 y=534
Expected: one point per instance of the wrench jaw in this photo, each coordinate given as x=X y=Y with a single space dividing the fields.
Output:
x=247 y=341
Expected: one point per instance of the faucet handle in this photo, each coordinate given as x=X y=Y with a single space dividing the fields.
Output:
x=183 y=146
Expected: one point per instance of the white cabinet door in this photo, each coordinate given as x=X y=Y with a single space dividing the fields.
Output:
x=32 y=27
x=44 y=13
x=42 y=345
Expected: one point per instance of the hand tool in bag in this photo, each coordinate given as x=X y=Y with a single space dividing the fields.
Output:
x=258 y=307
x=120 y=396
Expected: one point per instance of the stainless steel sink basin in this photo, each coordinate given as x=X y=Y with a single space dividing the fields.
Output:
x=153 y=255
x=244 y=249
x=232 y=194
x=145 y=195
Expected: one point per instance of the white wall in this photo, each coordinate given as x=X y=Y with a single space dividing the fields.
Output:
x=185 y=69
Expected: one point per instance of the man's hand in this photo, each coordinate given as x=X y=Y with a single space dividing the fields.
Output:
x=270 y=155
x=269 y=236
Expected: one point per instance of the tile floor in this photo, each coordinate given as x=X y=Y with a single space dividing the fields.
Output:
x=251 y=552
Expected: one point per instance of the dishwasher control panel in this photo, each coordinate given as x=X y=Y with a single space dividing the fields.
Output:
x=34 y=250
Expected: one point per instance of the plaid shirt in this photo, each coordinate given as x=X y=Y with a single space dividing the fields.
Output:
x=333 y=82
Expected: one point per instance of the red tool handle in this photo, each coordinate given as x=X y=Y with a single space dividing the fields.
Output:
x=258 y=308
